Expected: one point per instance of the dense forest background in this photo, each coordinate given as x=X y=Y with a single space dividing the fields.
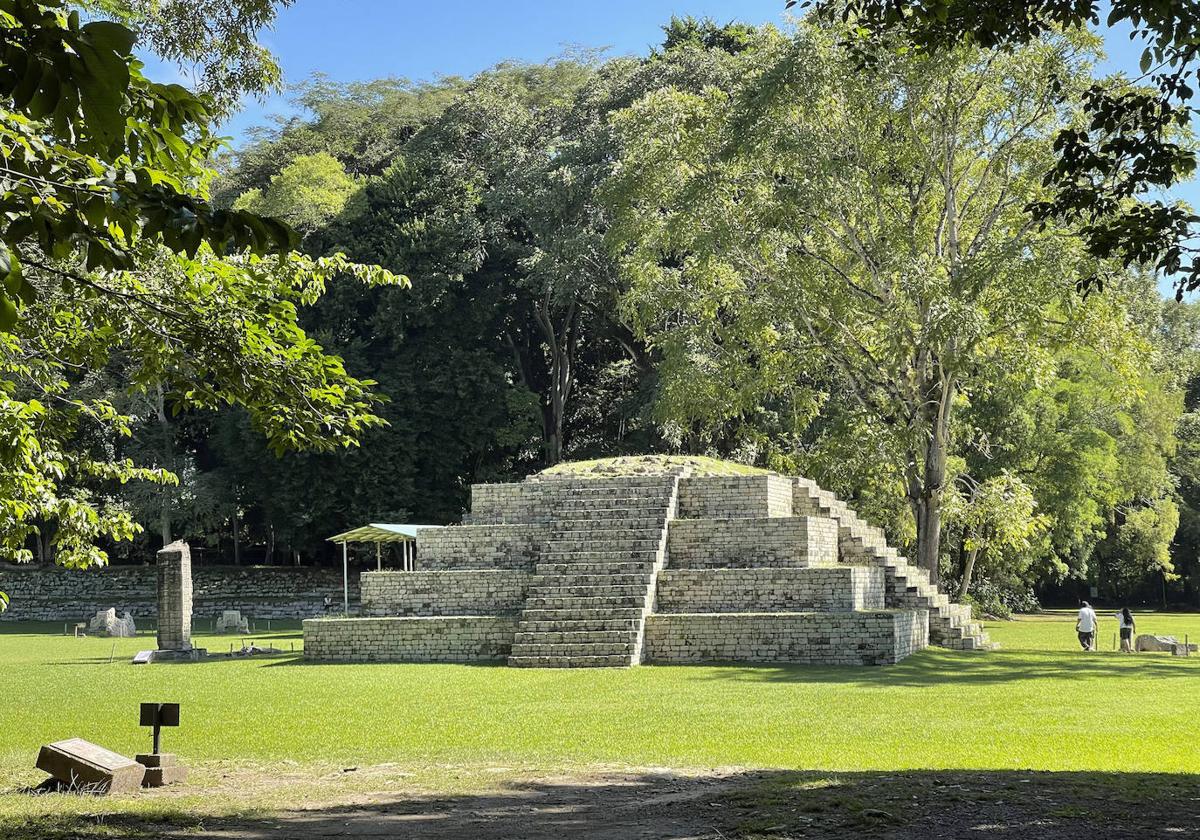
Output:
x=526 y=339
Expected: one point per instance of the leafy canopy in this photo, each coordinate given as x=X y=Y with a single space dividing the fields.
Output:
x=95 y=159
x=1130 y=145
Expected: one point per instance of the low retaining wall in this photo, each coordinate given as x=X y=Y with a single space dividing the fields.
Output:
x=429 y=639
x=770 y=590
x=481 y=547
x=724 y=497
x=41 y=593
x=472 y=592
x=745 y=543
x=831 y=638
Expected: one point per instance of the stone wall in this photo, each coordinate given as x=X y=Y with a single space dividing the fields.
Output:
x=41 y=593
x=741 y=543
x=428 y=639
x=726 y=497
x=830 y=638
x=474 y=592
x=493 y=504
x=770 y=590
x=480 y=546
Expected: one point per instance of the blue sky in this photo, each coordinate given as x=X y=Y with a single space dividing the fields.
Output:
x=350 y=40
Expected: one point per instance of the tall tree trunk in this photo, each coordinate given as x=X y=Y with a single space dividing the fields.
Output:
x=968 y=570
x=929 y=534
x=237 y=545
x=925 y=493
x=270 y=544
x=560 y=343
x=164 y=429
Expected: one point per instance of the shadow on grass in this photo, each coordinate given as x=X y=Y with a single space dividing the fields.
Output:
x=942 y=667
x=767 y=804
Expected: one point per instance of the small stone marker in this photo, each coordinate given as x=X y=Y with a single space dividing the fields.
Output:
x=143 y=657
x=79 y=763
x=161 y=768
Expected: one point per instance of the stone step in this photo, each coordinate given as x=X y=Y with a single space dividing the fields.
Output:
x=573 y=578
x=598 y=567
x=613 y=612
x=568 y=494
x=604 y=530
x=585 y=602
x=624 y=521
x=622 y=661
x=559 y=589
x=591 y=625
x=625 y=648
x=623 y=555
x=617 y=482
x=594 y=544
x=647 y=514
x=575 y=637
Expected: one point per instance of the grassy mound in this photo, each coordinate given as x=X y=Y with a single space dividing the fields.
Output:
x=650 y=465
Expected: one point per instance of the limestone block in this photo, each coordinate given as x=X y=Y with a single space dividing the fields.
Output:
x=1161 y=644
x=80 y=763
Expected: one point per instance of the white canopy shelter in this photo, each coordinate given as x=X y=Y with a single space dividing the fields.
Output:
x=378 y=533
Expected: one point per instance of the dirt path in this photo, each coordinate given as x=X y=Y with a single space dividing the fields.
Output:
x=652 y=803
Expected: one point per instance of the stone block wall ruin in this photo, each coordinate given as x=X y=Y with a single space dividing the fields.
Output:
x=616 y=571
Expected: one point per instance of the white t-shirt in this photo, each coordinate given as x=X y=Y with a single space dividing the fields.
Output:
x=1087 y=620
x=1121 y=621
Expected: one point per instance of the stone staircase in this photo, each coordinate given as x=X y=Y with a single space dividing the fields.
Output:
x=594 y=582
x=908 y=586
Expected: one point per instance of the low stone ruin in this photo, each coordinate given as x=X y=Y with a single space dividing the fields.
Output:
x=106 y=623
x=231 y=621
x=1163 y=644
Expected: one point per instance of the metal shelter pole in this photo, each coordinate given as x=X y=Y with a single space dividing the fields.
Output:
x=378 y=557
x=345 y=579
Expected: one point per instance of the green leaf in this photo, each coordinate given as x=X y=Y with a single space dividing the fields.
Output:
x=105 y=34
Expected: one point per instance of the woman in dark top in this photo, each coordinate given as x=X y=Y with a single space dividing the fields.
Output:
x=1125 y=619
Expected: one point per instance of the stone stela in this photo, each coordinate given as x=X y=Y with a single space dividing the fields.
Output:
x=175 y=597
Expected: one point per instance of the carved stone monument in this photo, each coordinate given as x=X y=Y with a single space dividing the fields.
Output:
x=175 y=597
x=106 y=623
x=231 y=621
x=83 y=765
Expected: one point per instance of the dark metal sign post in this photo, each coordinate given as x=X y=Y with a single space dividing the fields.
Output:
x=159 y=715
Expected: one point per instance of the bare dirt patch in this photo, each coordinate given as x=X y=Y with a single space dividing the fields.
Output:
x=299 y=802
x=607 y=804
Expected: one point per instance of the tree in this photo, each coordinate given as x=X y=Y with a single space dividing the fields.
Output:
x=1129 y=144
x=826 y=228
x=120 y=264
x=998 y=517
x=308 y=193
x=215 y=42
x=96 y=158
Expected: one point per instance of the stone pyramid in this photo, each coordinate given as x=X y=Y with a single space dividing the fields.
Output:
x=569 y=570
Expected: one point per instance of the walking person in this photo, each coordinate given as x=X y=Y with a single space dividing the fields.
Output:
x=1086 y=626
x=1127 y=625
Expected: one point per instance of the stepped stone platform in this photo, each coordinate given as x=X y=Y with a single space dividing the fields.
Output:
x=671 y=567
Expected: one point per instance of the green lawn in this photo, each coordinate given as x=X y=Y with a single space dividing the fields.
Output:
x=1038 y=703
x=266 y=737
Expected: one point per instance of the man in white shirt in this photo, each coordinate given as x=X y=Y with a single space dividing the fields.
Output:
x=1086 y=626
